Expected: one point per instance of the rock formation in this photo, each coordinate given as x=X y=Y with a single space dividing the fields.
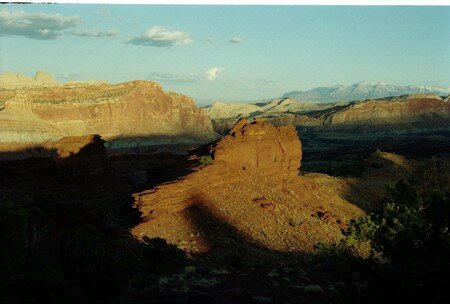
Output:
x=416 y=110
x=219 y=110
x=80 y=156
x=255 y=147
x=13 y=81
x=253 y=185
x=69 y=157
x=9 y=80
x=132 y=114
x=261 y=146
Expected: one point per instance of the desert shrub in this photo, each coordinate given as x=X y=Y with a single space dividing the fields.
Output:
x=410 y=242
x=40 y=263
x=206 y=160
x=101 y=266
x=12 y=244
x=159 y=256
x=23 y=276
x=234 y=260
x=41 y=285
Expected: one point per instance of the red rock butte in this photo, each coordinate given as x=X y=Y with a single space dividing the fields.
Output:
x=260 y=146
x=253 y=184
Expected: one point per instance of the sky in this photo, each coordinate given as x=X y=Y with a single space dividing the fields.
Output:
x=229 y=53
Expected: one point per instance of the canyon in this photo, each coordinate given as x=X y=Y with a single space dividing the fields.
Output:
x=247 y=191
x=416 y=110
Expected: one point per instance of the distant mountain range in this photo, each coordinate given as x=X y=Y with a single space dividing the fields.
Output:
x=361 y=91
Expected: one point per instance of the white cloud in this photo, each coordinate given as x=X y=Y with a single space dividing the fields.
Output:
x=159 y=36
x=173 y=77
x=212 y=73
x=236 y=40
x=68 y=76
x=95 y=33
x=40 y=26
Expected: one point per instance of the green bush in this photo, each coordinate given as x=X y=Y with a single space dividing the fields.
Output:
x=206 y=160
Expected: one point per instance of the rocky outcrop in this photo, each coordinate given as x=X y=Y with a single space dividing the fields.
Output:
x=417 y=110
x=260 y=146
x=80 y=156
x=252 y=189
x=69 y=157
x=14 y=81
x=253 y=148
x=9 y=80
x=276 y=107
x=221 y=110
x=277 y=112
x=421 y=111
x=133 y=114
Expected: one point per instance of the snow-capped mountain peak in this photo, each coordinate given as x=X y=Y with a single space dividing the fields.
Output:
x=362 y=90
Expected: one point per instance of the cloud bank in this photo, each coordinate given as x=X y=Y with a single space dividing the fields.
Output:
x=173 y=77
x=159 y=36
x=40 y=26
x=212 y=73
x=95 y=33
x=236 y=40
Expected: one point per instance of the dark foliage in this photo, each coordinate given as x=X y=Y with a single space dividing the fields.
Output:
x=42 y=264
x=409 y=239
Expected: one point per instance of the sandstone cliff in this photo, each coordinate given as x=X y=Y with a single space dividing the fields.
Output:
x=420 y=110
x=132 y=114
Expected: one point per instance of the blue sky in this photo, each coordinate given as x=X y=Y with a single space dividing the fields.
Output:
x=215 y=53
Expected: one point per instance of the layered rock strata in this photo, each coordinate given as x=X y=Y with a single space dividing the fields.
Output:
x=420 y=111
x=254 y=147
x=260 y=146
x=133 y=114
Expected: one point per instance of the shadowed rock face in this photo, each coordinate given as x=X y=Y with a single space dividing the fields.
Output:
x=80 y=155
x=261 y=146
x=138 y=111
